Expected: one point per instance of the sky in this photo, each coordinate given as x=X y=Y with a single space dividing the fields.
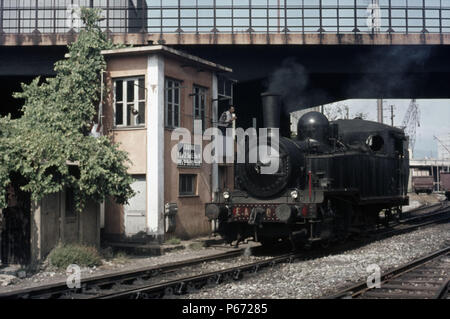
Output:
x=434 y=119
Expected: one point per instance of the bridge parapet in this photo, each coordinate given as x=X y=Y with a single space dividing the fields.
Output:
x=231 y=16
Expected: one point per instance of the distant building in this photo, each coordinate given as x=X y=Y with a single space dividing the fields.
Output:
x=444 y=147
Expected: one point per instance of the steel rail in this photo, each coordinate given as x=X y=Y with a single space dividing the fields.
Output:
x=394 y=231
x=443 y=292
x=97 y=282
x=432 y=213
x=361 y=288
x=183 y=285
x=424 y=207
x=60 y=288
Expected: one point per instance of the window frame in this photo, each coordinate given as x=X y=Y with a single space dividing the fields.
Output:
x=125 y=102
x=173 y=104
x=193 y=181
x=196 y=96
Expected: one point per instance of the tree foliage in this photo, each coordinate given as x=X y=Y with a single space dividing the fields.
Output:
x=54 y=129
x=336 y=111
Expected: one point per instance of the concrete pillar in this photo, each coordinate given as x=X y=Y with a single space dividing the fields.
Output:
x=155 y=145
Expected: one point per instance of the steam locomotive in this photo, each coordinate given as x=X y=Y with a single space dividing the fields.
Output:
x=334 y=178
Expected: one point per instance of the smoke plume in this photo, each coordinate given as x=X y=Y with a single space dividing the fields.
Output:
x=388 y=71
x=291 y=81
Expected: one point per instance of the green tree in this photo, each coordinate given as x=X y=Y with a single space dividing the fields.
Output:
x=54 y=130
x=336 y=111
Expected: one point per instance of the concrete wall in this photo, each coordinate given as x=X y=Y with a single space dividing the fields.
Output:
x=191 y=220
x=133 y=141
x=243 y=38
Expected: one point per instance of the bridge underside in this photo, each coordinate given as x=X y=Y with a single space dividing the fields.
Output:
x=328 y=72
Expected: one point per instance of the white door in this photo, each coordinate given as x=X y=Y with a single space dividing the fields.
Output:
x=135 y=210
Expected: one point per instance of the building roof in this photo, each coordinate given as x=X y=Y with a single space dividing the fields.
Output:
x=429 y=162
x=168 y=52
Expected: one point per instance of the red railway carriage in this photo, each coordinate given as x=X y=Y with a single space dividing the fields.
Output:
x=422 y=184
x=445 y=183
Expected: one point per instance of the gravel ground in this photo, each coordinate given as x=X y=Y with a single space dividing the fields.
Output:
x=47 y=275
x=323 y=276
x=418 y=200
x=309 y=286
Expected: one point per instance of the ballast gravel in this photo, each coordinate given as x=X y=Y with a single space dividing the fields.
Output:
x=327 y=275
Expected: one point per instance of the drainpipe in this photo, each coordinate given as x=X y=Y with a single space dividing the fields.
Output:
x=215 y=166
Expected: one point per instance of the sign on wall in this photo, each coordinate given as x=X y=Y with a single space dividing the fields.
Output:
x=189 y=155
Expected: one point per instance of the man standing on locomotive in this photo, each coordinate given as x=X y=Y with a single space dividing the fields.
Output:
x=226 y=121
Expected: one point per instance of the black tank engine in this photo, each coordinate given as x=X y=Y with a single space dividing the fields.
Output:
x=333 y=179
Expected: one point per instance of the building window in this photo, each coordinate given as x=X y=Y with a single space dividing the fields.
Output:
x=200 y=104
x=172 y=99
x=129 y=102
x=225 y=87
x=225 y=93
x=187 y=184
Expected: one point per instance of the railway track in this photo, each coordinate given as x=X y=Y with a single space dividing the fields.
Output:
x=424 y=212
x=192 y=283
x=60 y=290
x=424 y=278
x=424 y=208
x=185 y=285
x=430 y=215
x=145 y=283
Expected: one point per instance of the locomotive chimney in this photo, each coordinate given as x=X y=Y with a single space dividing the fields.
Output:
x=271 y=109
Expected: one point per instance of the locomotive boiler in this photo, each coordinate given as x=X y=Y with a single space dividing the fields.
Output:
x=333 y=179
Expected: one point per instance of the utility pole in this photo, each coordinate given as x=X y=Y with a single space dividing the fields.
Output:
x=392 y=115
x=380 y=110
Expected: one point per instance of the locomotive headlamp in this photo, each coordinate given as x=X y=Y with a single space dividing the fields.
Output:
x=226 y=195
x=294 y=194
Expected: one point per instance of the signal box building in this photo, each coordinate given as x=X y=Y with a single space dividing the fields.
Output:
x=152 y=91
